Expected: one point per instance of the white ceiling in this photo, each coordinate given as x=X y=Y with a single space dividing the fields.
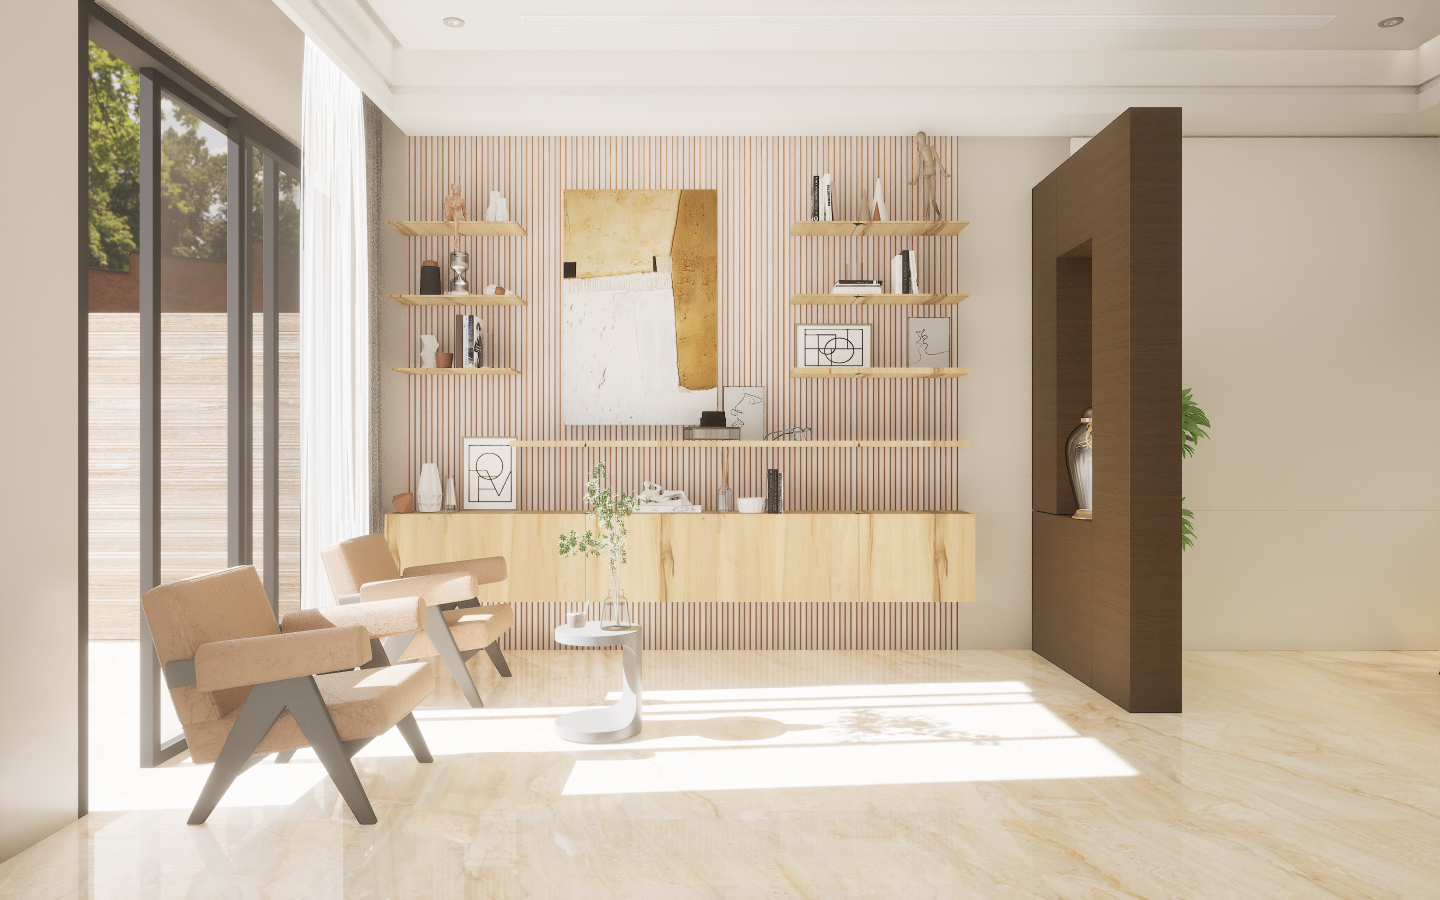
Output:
x=949 y=66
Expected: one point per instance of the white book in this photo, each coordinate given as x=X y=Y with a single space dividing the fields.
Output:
x=895 y=280
x=827 y=211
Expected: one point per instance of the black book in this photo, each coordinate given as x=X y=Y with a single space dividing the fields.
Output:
x=815 y=198
x=906 y=285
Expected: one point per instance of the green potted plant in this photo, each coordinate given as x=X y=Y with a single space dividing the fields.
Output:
x=1192 y=428
x=607 y=512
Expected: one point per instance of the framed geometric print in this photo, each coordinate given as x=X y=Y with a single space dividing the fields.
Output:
x=489 y=473
x=832 y=346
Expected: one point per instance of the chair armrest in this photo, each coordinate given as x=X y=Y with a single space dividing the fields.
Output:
x=435 y=589
x=276 y=657
x=381 y=618
x=485 y=571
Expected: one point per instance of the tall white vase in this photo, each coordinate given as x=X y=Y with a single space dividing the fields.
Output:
x=428 y=346
x=428 y=493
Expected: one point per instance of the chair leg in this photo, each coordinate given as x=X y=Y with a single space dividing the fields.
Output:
x=410 y=730
x=396 y=644
x=284 y=756
x=307 y=705
x=439 y=631
x=262 y=707
x=379 y=659
x=498 y=658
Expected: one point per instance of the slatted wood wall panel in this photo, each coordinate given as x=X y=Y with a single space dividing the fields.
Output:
x=762 y=186
x=760 y=626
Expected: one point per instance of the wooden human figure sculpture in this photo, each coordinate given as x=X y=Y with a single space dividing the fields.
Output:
x=454 y=209
x=929 y=165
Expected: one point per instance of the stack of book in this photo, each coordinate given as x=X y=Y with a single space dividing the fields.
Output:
x=904 y=276
x=469 y=342
x=857 y=286
x=822 y=200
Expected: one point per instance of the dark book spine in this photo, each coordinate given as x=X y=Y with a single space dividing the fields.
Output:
x=906 y=287
x=774 y=491
x=815 y=198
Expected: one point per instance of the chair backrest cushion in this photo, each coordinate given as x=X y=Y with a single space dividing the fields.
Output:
x=219 y=606
x=349 y=564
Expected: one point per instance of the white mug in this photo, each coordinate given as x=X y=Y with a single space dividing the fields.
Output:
x=576 y=619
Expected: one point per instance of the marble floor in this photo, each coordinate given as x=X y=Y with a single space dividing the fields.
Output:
x=807 y=774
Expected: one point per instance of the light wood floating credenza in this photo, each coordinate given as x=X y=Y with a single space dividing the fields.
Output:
x=710 y=557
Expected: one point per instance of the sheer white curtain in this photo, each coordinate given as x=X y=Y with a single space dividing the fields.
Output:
x=334 y=321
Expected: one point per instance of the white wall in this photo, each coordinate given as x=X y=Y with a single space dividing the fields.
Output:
x=1312 y=341
x=39 y=404
x=248 y=49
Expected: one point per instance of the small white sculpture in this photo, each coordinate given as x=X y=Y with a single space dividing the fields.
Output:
x=427 y=492
x=498 y=210
x=428 y=346
x=656 y=499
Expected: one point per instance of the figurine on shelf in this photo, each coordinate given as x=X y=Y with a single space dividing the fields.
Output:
x=929 y=165
x=655 y=499
x=453 y=209
x=428 y=346
x=494 y=289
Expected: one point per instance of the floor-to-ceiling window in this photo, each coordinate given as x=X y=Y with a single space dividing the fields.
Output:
x=193 y=360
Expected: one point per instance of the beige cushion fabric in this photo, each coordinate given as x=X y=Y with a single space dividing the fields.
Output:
x=435 y=589
x=358 y=561
x=219 y=606
x=485 y=624
x=486 y=571
x=363 y=703
x=275 y=657
x=381 y=618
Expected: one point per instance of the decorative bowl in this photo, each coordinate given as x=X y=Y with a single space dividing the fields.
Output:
x=750 y=504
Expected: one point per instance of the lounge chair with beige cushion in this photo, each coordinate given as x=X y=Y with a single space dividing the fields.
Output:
x=245 y=686
x=362 y=570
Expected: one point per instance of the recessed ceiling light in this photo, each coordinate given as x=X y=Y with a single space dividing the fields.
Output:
x=453 y=22
x=1391 y=22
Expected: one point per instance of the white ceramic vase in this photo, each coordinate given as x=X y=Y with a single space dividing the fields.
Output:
x=450 y=503
x=427 y=492
x=428 y=346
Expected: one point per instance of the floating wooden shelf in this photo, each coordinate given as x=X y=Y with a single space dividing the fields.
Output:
x=458 y=299
x=876 y=229
x=467 y=229
x=870 y=372
x=769 y=445
x=458 y=371
x=876 y=299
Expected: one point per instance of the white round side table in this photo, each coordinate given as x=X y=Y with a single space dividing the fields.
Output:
x=608 y=723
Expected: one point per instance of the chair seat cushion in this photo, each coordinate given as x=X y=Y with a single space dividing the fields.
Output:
x=473 y=627
x=364 y=703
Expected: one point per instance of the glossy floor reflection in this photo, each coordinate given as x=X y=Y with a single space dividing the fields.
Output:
x=780 y=774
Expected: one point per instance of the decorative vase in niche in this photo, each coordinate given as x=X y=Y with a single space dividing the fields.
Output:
x=450 y=504
x=428 y=493
x=428 y=346
x=1078 y=460
x=459 y=268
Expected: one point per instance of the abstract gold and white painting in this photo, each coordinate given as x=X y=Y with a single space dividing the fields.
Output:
x=639 y=307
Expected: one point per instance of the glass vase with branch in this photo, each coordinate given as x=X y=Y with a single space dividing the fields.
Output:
x=604 y=538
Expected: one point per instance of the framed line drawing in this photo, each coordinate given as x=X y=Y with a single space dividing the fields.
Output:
x=928 y=343
x=832 y=346
x=489 y=473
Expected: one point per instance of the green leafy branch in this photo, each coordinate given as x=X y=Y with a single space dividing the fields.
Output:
x=608 y=512
x=1193 y=423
